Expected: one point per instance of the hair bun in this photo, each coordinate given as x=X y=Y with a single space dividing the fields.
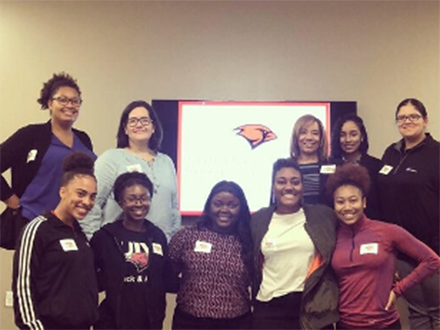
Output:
x=77 y=160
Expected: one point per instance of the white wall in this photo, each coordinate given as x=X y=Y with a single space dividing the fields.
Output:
x=373 y=52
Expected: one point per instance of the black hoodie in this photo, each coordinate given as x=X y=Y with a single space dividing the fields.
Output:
x=111 y=266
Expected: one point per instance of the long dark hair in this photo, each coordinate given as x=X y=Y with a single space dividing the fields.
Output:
x=336 y=150
x=242 y=227
x=155 y=140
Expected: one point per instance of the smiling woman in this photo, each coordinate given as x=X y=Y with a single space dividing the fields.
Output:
x=293 y=243
x=53 y=264
x=309 y=148
x=138 y=142
x=365 y=256
x=349 y=144
x=131 y=257
x=410 y=190
x=215 y=261
x=35 y=153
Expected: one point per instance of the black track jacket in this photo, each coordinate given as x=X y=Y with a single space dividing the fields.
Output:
x=54 y=282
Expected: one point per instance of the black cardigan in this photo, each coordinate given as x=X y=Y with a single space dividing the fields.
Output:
x=15 y=150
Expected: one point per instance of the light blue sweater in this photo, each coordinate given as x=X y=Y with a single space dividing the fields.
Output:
x=164 y=206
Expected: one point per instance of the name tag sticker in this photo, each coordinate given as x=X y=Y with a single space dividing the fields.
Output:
x=386 y=169
x=157 y=248
x=328 y=169
x=32 y=155
x=134 y=168
x=68 y=244
x=270 y=243
x=203 y=247
x=370 y=248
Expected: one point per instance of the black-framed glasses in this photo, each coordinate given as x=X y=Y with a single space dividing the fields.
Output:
x=63 y=100
x=133 y=121
x=144 y=199
x=412 y=118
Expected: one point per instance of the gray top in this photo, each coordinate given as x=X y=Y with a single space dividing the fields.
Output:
x=164 y=205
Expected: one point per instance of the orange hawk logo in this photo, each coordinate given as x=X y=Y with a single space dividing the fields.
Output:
x=256 y=134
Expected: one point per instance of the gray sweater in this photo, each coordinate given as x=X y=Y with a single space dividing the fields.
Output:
x=163 y=212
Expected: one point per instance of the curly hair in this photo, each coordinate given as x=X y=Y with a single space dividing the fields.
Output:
x=299 y=124
x=156 y=139
x=336 y=150
x=77 y=163
x=130 y=179
x=420 y=107
x=242 y=227
x=51 y=86
x=348 y=174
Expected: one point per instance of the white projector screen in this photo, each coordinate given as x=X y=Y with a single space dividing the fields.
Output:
x=237 y=141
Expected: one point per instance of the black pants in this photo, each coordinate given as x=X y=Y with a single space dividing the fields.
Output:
x=423 y=298
x=56 y=326
x=182 y=320
x=395 y=326
x=279 y=313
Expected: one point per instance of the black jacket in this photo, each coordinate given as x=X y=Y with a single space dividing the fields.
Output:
x=54 y=282
x=14 y=155
x=410 y=191
x=110 y=266
x=320 y=297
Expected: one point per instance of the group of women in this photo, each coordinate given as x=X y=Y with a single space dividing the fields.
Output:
x=316 y=258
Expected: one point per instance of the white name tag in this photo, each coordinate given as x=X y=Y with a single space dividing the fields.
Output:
x=134 y=168
x=328 y=169
x=270 y=243
x=31 y=155
x=157 y=248
x=203 y=247
x=370 y=248
x=386 y=169
x=68 y=244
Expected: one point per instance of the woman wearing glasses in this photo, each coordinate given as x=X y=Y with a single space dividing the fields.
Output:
x=131 y=258
x=138 y=141
x=35 y=152
x=409 y=192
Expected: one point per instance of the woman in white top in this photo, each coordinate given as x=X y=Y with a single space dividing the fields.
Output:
x=294 y=287
x=138 y=142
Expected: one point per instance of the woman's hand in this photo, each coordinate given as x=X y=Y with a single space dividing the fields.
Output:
x=13 y=202
x=391 y=300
